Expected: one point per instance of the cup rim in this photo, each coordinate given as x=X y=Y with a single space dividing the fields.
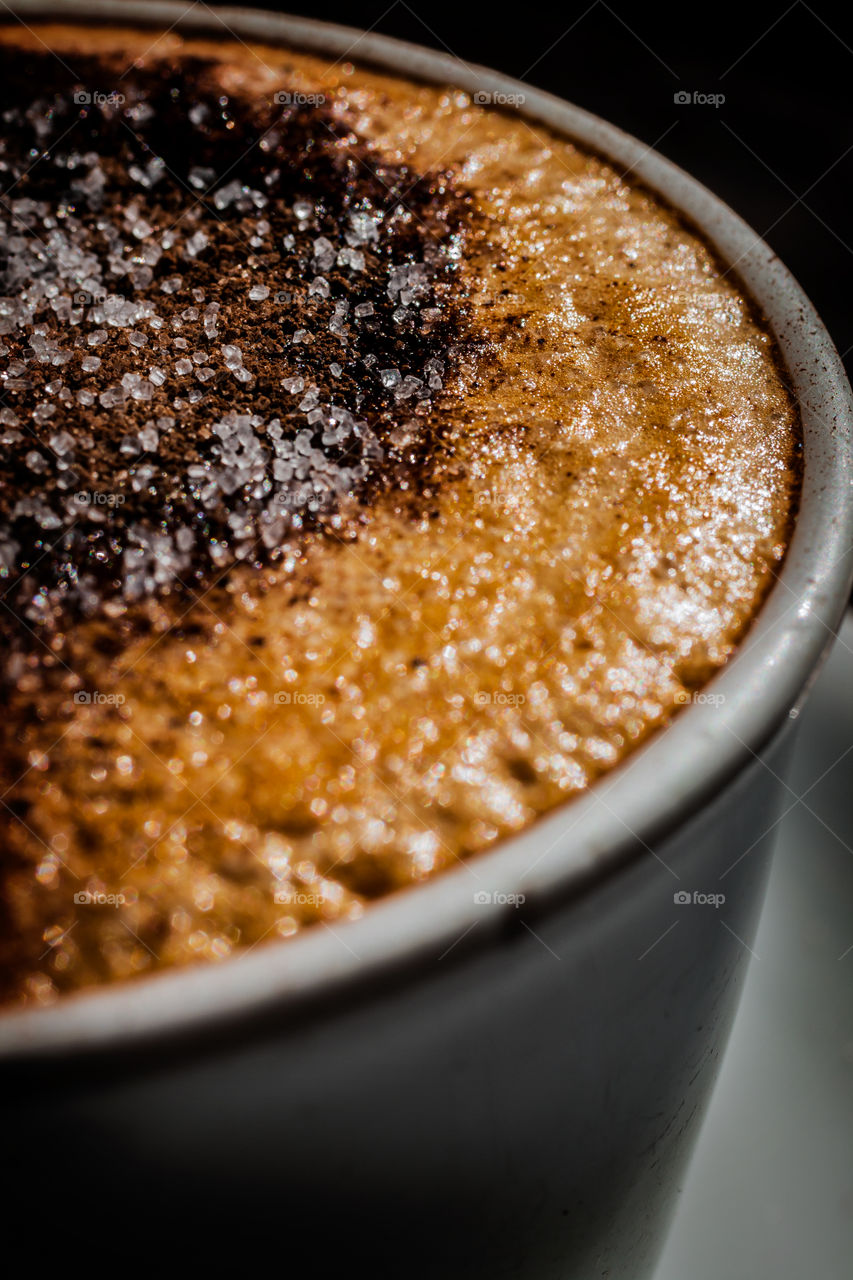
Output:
x=584 y=841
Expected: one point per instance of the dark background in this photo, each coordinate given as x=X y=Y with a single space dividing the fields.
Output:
x=779 y=150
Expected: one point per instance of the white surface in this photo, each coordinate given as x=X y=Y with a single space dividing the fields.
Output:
x=770 y=1189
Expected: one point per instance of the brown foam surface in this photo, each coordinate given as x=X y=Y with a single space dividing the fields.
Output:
x=611 y=469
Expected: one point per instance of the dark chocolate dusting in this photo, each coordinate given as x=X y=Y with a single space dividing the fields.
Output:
x=292 y=294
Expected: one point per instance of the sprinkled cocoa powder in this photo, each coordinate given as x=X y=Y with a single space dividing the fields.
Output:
x=225 y=320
